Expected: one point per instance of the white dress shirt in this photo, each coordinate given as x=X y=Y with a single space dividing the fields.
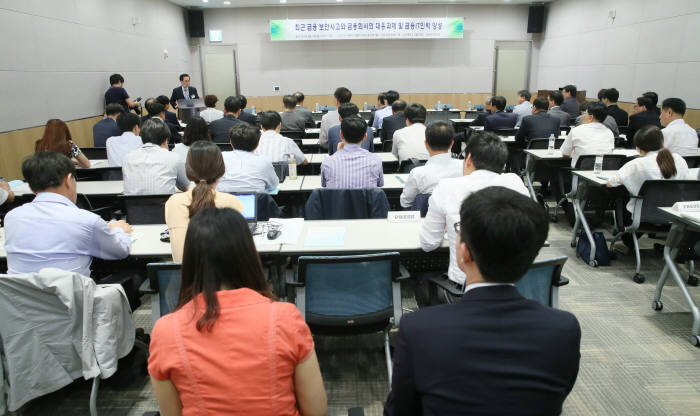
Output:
x=379 y=116
x=485 y=284
x=211 y=114
x=444 y=205
x=120 y=146
x=423 y=179
x=181 y=150
x=153 y=170
x=638 y=170
x=247 y=172
x=523 y=109
x=276 y=147
x=409 y=142
x=588 y=139
x=328 y=120
x=680 y=138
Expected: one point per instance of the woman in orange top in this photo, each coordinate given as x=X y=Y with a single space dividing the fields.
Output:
x=57 y=138
x=230 y=348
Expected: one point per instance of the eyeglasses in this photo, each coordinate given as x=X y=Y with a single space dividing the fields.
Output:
x=458 y=227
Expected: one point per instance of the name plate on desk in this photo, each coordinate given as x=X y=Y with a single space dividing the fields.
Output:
x=403 y=216
x=687 y=206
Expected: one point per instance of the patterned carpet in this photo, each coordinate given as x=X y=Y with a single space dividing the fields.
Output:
x=635 y=361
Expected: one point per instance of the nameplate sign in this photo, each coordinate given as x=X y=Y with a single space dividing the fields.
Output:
x=403 y=216
x=687 y=206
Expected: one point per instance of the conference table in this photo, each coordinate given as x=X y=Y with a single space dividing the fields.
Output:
x=313 y=146
x=389 y=161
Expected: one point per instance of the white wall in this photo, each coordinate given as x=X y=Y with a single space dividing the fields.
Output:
x=650 y=45
x=368 y=66
x=57 y=55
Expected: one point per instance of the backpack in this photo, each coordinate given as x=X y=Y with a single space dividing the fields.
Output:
x=583 y=248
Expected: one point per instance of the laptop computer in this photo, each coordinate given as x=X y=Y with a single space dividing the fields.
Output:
x=250 y=209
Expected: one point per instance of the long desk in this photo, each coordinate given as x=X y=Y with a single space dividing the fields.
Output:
x=389 y=161
x=97 y=163
x=392 y=181
x=101 y=188
x=312 y=146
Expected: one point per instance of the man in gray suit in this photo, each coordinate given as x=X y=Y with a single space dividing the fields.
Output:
x=308 y=117
x=570 y=103
x=555 y=100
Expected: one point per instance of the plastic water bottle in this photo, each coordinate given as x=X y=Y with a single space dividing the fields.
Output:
x=550 y=146
x=364 y=107
x=292 y=167
x=598 y=165
x=254 y=110
x=469 y=105
x=318 y=107
x=439 y=107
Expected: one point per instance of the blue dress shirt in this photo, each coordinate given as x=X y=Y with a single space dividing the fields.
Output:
x=334 y=139
x=352 y=167
x=247 y=172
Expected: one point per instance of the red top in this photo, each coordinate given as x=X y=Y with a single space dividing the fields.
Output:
x=244 y=366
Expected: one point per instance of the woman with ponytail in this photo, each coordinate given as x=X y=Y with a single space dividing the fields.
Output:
x=204 y=166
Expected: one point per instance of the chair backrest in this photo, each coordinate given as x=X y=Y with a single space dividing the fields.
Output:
x=144 y=209
x=421 y=204
x=432 y=116
x=665 y=193
x=346 y=204
x=610 y=162
x=543 y=143
x=295 y=135
x=407 y=165
x=266 y=207
x=94 y=152
x=113 y=173
x=281 y=169
x=504 y=132
x=224 y=147
x=540 y=279
x=692 y=161
x=165 y=279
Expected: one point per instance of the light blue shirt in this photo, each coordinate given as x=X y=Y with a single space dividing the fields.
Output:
x=52 y=232
x=247 y=172
x=522 y=110
x=119 y=146
x=379 y=116
x=352 y=167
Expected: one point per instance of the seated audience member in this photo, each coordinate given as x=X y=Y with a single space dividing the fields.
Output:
x=396 y=121
x=170 y=116
x=129 y=140
x=609 y=121
x=107 y=127
x=539 y=125
x=240 y=351
x=342 y=95
x=273 y=145
x=610 y=97
x=204 y=167
x=381 y=103
x=6 y=194
x=220 y=128
x=655 y=163
x=156 y=112
x=644 y=114
x=570 y=104
x=352 y=166
x=379 y=115
x=592 y=137
x=196 y=130
x=679 y=137
x=246 y=171
x=147 y=106
x=499 y=119
x=152 y=169
x=211 y=113
x=481 y=116
x=51 y=231
x=440 y=164
x=57 y=138
x=494 y=352
x=409 y=142
x=244 y=115
x=654 y=97
x=291 y=119
x=308 y=116
x=344 y=111
x=483 y=167
x=555 y=100
x=524 y=107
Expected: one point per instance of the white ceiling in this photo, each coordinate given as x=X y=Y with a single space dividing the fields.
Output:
x=212 y=4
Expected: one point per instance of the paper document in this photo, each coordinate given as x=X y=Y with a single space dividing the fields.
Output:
x=325 y=236
x=291 y=229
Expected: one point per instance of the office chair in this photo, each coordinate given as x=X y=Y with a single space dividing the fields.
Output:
x=143 y=209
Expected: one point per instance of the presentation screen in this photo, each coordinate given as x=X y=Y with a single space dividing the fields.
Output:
x=368 y=28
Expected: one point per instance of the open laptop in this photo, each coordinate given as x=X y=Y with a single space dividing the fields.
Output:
x=250 y=209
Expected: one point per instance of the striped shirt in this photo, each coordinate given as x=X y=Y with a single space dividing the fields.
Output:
x=153 y=170
x=352 y=167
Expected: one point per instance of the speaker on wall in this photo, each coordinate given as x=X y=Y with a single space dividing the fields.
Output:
x=535 y=19
x=195 y=22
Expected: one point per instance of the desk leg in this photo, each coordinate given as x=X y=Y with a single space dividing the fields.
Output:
x=529 y=175
x=578 y=208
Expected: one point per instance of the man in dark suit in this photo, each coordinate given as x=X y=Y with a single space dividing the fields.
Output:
x=555 y=100
x=170 y=117
x=493 y=352
x=644 y=114
x=157 y=111
x=183 y=92
x=500 y=119
x=348 y=110
x=219 y=128
x=245 y=116
x=654 y=97
x=481 y=116
x=610 y=97
x=570 y=103
x=395 y=121
x=303 y=110
x=538 y=125
x=107 y=127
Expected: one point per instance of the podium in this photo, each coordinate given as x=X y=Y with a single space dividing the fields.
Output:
x=186 y=109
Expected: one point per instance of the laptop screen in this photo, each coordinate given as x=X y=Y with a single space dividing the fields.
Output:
x=248 y=201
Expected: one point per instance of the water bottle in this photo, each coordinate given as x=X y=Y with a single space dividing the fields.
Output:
x=318 y=107
x=598 y=165
x=292 y=167
x=364 y=107
x=254 y=110
x=439 y=107
x=550 y=146
x=469 y=105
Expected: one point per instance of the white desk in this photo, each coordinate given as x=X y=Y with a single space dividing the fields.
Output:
x=387 y=157
x=97 y=163
x=291 y=185
x=463 y=120
x=84 y=187
x=314 y=142
x=392 y=181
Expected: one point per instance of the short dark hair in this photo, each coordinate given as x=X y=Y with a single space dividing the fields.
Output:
x=571 y=89
x=557 y=97
x=611 y=94
x=675 y=104
x=597 y=110
x=44 y=170
x=232 y=104
x=645 y=102
x=601 y=94
x=210 y=100
x=182 y=76
x=381 y=97
x=154 y=131
x=348 y=110
x=244 y=101
x=155 y=108
x=270 y=120
x=488 y=151
x=163 y=100
x=113 y=108
x=343 y=95
x=503 y=230
x=499 y=102
x=398 y=105
x=196 y=130
x=541 y=103
x=289 y=102
x=654 y=97
x=244 y=137
x=415 y=113
x=525 y=94
x=299 y=96
x=127 y=121
x=391 y=96
x=115 y=79
x=439 y=135
x=353 y=129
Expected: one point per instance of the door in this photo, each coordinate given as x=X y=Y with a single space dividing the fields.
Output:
x=512 y=69
x=220 y=71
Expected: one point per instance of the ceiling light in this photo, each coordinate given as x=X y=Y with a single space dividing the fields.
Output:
x=205 y=1
x=227 y=3
x=339 y=1
x=283 y=1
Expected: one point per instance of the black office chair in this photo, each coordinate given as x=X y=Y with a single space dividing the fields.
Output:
x=543 y=143
x=113 y=173
x=163 y=284
x=421 y=204
x=406 y=166
x=692 y=161
x=267 y=207
x=143 y=209
x=225 y=147
x=296 y=135
x=93 y=153
x=504 y=132
x=341 y=204
x=281 y=169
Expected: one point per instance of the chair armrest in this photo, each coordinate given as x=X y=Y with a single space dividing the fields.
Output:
x=444 y=283
x=145 y=288
x=563 y=281
x=403 y=273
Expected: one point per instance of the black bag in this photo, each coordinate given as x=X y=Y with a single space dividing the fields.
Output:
x=583 y=248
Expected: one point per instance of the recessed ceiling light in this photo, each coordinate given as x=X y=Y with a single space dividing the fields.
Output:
x=339 y=1
x=283 y=1
x=227 y=3
x=205 y=1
